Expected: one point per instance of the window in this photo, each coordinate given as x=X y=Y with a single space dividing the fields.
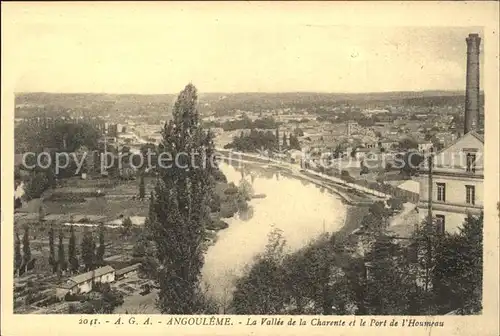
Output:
x=441 y=192
x=471 y=162
x=440 y=222
x=470 y=194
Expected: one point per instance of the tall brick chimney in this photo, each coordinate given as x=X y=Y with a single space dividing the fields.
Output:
x=471 y=119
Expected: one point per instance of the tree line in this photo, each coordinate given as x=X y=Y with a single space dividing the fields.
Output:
x=370 y=273
x=244 y=123
x=92 y=255
x=256 y=140
x=33 y=135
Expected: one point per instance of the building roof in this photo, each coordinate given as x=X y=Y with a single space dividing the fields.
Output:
x=410 y=185
x=128 y=269
x=477 y=136
x=84 y=277
x=473 y=133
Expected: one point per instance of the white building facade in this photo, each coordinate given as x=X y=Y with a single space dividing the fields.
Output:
x=83 y=283
x=457 y=183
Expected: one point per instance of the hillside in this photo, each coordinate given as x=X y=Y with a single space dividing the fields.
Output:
x=222 y=103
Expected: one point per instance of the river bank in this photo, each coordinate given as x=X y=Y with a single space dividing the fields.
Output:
x=348 y=195
x=354 y=216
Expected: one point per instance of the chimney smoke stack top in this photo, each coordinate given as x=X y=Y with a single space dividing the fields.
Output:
x=472 y=84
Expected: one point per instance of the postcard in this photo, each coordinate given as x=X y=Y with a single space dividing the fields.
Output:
x=192 y=168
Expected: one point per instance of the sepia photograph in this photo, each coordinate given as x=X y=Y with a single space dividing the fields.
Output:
x=247 y=168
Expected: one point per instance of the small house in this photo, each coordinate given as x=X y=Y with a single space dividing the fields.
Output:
x=83 y=283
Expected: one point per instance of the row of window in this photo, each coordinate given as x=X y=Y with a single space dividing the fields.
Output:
x=470 y=193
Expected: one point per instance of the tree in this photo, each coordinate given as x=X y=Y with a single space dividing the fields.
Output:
x=407 y=144
x=109 y=300
x=36 y=185
x=294 y=142
x=145 y=250
x=344 y=175
x=254 y=141
x=72 y=254
x=18 y=259
x=260 y=290
x=180 y=207
x=102 y=247
x=458 y=271
x=284 y=145
x=388 y=287
x=353 y=152
x=63 y=265
x=364 y=169
x=41 y=213
x=278 y=284
x=142 y=188
x=396 y=204
x=127 y=226
x=245 y=190
x=409 y=162
x=52 y=253
x=17 y=202
x=88 y=250
x=298 y=132
x=26 y=248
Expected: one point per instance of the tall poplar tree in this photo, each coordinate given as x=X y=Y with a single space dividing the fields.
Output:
x=61 y=259
x=180 y=208
x=52 y=253
x=72 y=255
x=142 y=187
x=26 y=247
x=88 y=251
x=18 y=258
x=101 y=248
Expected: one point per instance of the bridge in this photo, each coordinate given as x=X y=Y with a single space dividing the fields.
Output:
x=351 y=193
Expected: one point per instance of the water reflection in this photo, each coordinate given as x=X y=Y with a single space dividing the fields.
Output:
x=298 y=208
x=246 y=214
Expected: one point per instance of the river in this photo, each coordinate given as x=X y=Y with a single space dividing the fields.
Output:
x=300 y=209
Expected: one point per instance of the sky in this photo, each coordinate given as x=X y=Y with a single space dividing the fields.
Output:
x=128 y=49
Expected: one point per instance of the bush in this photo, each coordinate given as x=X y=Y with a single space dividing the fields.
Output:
x=75 y=196
x=219 y=176
x=214 y=203
x=364 y=170
x=109 y=301
x=231 y=189
x=33 y=297
x=228 y=209
x=48 y=301
x=17 y=203
x=74 y=297
x=395 y=204
x=36 y=185
x=217 y=224
x=344 y=175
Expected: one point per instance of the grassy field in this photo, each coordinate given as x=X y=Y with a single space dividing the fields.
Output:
x=112 y=208
x=119 y=202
